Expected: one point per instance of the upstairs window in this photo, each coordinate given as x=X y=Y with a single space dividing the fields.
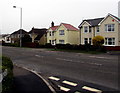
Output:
x=109 y=27
x=85 y=29
x=50 y=33
x=61 y=32
x=97 y=29
x=90 y=29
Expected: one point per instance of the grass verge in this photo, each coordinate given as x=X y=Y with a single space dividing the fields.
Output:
x=77 y=51
x=7 y=82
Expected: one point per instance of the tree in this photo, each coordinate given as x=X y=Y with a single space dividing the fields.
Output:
x=98 y=41
x=26 y=39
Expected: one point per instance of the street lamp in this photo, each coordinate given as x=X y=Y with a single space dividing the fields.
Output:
x=20 y=24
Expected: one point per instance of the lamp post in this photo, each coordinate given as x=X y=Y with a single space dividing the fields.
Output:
x=20 y=24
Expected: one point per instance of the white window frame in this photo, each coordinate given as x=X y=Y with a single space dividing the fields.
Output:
x=61 y=32
x=86 y=30
x=90 y=41
x=50 y=41
x=109 y=27
x=97 y=29
x=90 y=29
x=85 y=40
x=50 y=33
x=61 y=41
x=107 y=41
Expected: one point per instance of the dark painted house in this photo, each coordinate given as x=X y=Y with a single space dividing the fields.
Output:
x=38 y=35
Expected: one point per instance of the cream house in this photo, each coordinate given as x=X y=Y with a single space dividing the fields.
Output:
x=63 y=34
x=108 y=27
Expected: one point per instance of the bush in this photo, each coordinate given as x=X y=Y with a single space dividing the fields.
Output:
x=7 y=82
x=11 y=44
x=48 y=45
x=98 y=41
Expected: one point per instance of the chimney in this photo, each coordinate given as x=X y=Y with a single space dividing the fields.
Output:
x=52 y=24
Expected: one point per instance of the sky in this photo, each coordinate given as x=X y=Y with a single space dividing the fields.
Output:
x=40 y=13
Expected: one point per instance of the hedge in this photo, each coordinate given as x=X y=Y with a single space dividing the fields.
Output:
x=7 y=82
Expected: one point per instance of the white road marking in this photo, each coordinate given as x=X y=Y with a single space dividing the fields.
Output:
x=39 y=56
x=99 y=57
x=63 y=88
x=54 y=78
x=92 y=89
x=94 y=63
x=64 y=59
x=79 y=61
x=69 y=83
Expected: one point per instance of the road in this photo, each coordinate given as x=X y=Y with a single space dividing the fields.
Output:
x=101 y=70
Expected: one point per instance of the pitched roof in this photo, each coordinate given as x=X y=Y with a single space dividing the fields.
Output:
x=92 y=22
x=69 y=26
x=18 y=32
x=114 y=17
x=54 y=28
x=38 y=31
x=39 y=37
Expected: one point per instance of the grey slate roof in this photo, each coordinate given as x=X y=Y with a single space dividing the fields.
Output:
x=93 y=22
x=38 y=31
x=18 y=32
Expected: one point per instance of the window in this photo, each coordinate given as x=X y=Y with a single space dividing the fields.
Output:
x=90 y=41
x=50 y=41
x=109 y=27
x=109 y=41
x=50 y=33
x=85 y=40
x=90 y=29
x=97 y=29
x=61 y=32
x=85 y=29
x=8 y=39
x=61 y=41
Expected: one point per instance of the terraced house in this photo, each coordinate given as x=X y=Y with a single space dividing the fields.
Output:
x=63 y=34
x=108 y=27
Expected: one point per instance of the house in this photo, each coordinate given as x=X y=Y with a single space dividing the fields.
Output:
x=38 y=35
x=108 y=27
x=62 y=34
x=6 y=38
x=15 y=36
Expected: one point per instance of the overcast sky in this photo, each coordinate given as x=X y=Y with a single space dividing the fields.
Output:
x=40 y=13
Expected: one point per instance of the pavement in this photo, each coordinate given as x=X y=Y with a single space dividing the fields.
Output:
x=27 y=82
